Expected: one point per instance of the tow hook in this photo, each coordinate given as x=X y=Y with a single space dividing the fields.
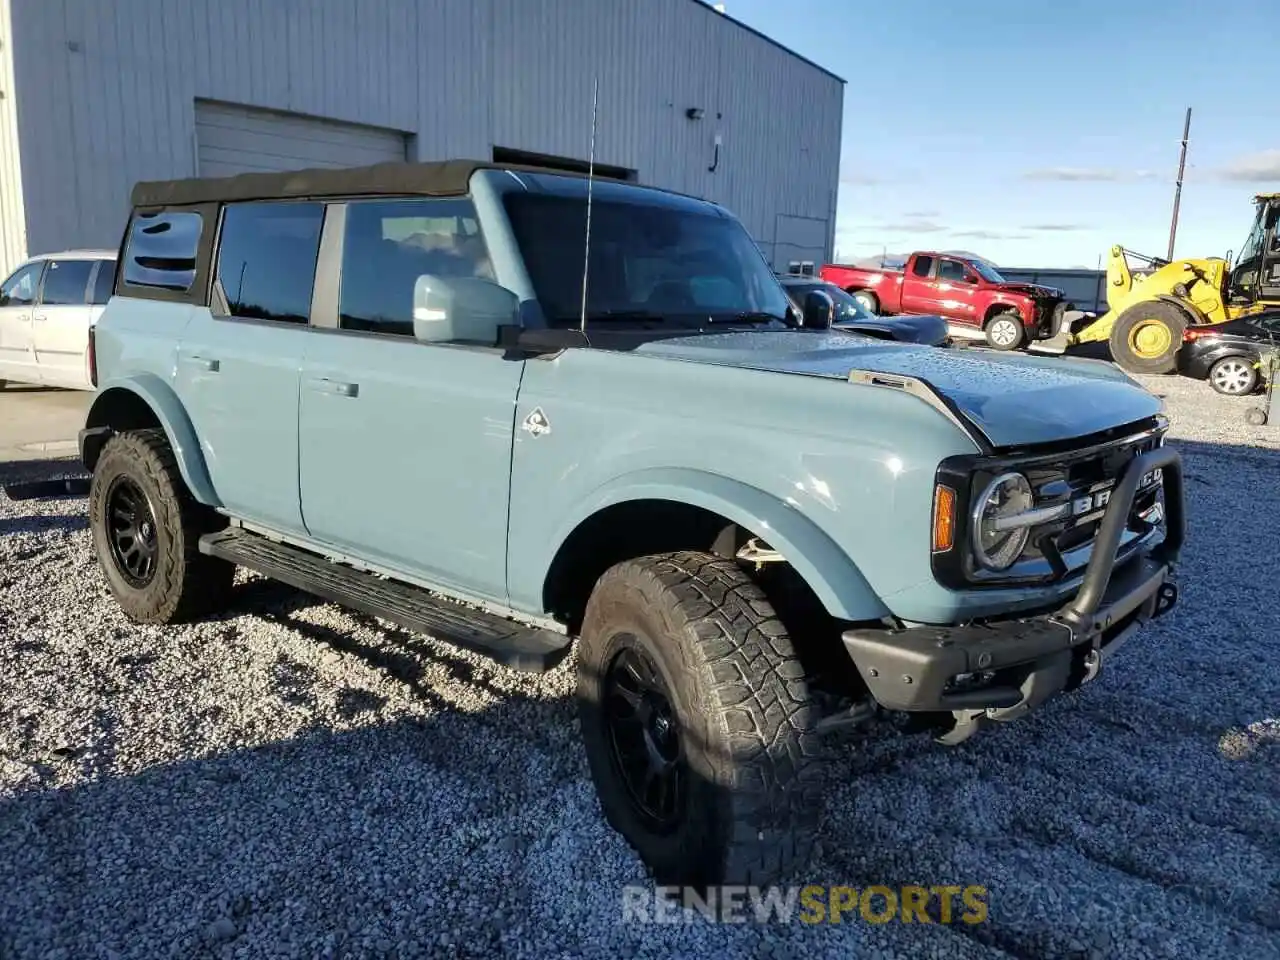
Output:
x=1092 y=665
x=967 y=723
x=1165 y=598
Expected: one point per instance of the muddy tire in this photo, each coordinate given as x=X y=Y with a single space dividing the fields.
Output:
x=698 y=721
x=1146 y=338
x=1005 y=331
x=146 y=529
x=870 y=302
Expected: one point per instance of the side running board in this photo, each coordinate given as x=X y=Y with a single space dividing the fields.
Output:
x=512 y=644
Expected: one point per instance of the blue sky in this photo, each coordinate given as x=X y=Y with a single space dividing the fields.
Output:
x=1039 y=134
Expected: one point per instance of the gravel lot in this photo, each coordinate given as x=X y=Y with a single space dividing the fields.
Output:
x=294 y=780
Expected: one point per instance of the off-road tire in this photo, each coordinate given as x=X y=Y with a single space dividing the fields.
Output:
x=1172 y=316
x=186 y=584
x=1019 y=338
x=867 y=299
x=745 y=711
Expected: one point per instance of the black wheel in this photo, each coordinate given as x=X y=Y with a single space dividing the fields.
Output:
x=1146 y=338
x=698 y=721
x=1234 y=376
x=870 y=302
x=1005 y=331
x=146 y=527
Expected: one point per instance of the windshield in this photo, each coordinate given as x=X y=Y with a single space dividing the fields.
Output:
x=1248 y=265
x=1252 y=248
x=648 y=263
x=987 y=271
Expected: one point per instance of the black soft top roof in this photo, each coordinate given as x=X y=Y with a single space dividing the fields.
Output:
x=448 y=178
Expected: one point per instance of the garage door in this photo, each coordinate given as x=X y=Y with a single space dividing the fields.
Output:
x=799 y=243
x=232 y=139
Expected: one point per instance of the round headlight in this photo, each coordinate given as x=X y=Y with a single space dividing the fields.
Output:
x=996 y=547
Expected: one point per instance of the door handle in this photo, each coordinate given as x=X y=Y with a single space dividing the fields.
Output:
x=39 y=317
x=208 y=364
x=335 y=387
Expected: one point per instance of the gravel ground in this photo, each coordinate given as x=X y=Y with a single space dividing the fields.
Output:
x=294 y=780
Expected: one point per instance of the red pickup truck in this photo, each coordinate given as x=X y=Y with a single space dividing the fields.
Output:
x=977 y=302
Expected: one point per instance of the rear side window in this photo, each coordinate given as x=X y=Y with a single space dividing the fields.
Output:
x=66 y=283
x=104 y=282
x=267 y=259
x=161 y=251
x=922 y=266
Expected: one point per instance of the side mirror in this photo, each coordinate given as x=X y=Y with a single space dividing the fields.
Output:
x=461 y=309
x=819 y=310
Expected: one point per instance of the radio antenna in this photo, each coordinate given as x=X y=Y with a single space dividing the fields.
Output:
x=591 y=177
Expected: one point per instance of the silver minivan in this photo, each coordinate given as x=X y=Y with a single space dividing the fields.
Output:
x=47 y=306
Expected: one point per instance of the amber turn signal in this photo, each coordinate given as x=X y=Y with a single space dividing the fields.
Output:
x=944 y=519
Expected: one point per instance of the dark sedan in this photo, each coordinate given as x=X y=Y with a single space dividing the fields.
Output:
x=1228 y=354
x=852 y=316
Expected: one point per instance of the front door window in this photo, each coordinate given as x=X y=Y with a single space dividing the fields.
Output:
x=20 y=289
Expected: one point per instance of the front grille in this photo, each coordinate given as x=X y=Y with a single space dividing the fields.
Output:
x=1082 y=477
x=1084 y=482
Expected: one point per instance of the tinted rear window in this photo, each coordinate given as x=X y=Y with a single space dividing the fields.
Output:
x=66 y=282
x=267 y=259
x=161 y=251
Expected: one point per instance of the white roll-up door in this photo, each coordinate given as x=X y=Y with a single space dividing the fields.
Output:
x=234 y=139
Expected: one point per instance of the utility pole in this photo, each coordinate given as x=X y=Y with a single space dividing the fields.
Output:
x=1177 y=191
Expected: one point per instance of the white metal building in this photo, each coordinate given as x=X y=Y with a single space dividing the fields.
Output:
x=98 y=94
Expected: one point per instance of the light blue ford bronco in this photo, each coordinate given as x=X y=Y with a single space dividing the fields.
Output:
x=513 y=408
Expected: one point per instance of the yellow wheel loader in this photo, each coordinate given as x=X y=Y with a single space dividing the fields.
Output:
x=1150 y=309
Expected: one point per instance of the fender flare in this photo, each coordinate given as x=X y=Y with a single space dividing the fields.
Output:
x=828 y=570
x=1186 y=306
x=168 y=410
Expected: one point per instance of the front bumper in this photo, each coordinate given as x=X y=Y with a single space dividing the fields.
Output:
x=1001 y=669
x=1049 y=318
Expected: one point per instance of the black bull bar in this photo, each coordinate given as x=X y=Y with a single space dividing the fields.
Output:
x=1032 y=658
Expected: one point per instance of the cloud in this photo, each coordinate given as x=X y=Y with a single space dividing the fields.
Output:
x=1089 y=174
x=911 y=226
x=1260 y=167
x=989 y=235
x=923 y=215
x=1054 y=227
x=856 y=178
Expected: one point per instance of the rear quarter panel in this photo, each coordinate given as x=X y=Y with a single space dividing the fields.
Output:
x=885 y=284
x=136 y=346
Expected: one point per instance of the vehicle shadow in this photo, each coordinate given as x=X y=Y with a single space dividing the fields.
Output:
x=47 y=468
x=42 y=523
